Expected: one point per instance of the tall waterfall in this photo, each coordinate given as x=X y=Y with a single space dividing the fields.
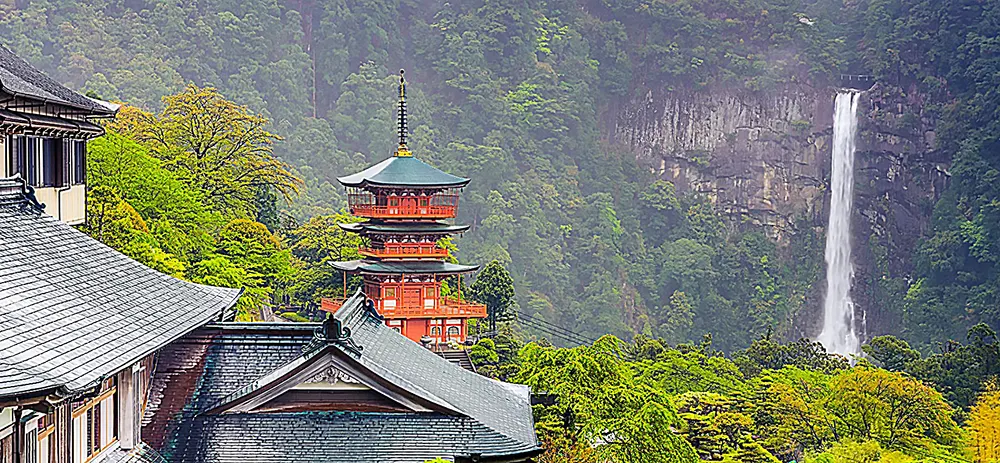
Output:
x=838 y=335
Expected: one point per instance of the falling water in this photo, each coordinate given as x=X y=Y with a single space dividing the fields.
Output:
x=838 y=335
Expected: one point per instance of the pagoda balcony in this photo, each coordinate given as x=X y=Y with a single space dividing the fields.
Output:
x=445 y=307
x=439 y=206
x=405 y=250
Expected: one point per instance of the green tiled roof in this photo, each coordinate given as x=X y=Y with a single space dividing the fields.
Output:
x=390 y=267
x=403 y=227
x=403 y=171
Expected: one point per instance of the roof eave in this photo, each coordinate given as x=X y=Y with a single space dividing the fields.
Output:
x=515 y=457
x=368 y=183
x=95 y=110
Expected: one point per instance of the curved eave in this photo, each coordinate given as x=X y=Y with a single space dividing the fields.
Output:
x=403 y=172
x=403 y=267
x=402 y=229
x=371 y=183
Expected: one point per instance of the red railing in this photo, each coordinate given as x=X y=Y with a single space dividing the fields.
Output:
x=403 y=250
x=446 y=307
x=440 y=206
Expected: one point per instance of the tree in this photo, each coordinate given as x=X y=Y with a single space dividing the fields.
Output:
x=216 y=145
x=899 y=412
x=495 y=288
x=601 y=403
x=890 y=352
x=983 y=425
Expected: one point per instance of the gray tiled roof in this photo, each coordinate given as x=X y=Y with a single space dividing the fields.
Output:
x=73 y=311
x=503 y=407
x=339 y=437
x=21 y=78
x=493 y=418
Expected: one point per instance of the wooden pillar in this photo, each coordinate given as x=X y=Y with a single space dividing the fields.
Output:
x=344 y=274
x=63 y=434
x=17 y=439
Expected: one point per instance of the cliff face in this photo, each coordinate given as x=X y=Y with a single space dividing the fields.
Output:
x=764 y=158
x=757 y=156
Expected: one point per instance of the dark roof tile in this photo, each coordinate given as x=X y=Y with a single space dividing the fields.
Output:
x=74 y=311
x=20 y=78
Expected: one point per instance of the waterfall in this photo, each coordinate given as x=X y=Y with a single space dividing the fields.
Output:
x=838 y=335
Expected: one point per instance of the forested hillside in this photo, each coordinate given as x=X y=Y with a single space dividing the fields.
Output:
x=522 y=96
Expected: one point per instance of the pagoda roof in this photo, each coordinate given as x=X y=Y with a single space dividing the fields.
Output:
x=384 y=267
x=403 y=227
x=230 y=404
x=74 y=311
x=403 y=171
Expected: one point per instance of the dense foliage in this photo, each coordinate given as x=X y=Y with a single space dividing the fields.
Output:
x=648 y=402
x=510 y=93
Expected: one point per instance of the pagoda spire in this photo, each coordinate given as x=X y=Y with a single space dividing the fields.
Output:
x=402 y=150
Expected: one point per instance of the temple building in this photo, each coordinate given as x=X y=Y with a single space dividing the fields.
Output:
x=350 y=389
x=44 y=128
x=407 y=203
x=105 y=360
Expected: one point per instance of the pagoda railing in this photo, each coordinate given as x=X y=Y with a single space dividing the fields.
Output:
x=440 y=206
x=445 y=307
x=404 y=250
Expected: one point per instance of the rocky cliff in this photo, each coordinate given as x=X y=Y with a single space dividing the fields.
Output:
x=764 y=159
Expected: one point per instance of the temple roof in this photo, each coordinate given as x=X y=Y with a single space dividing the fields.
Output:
x=74 y=311
x=214 y=375
x=403 y=171
x=405 y=266
x=403 y=227
x=19 y=78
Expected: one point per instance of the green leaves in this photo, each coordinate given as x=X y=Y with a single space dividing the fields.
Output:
x=495 y=288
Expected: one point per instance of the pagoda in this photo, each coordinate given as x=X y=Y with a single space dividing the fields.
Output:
x=407 y=203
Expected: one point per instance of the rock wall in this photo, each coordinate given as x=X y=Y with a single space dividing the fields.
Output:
x=754 y=155
x=764 y=158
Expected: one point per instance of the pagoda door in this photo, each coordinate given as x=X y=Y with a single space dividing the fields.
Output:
x=409 y=205
x=411 y=297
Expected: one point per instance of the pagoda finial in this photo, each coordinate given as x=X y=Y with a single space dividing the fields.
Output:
x=402 y=150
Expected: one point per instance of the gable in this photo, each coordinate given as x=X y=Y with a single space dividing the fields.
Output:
x=323 y=381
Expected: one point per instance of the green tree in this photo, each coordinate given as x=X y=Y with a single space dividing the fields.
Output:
x=215 y=145
x=495 y=288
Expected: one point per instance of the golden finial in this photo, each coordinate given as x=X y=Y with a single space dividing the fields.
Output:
x=402 y=150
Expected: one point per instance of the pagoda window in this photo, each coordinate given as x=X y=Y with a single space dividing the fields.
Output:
x=454 y=332
x=435 y=331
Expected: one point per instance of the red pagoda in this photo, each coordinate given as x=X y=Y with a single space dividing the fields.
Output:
x=407 y=203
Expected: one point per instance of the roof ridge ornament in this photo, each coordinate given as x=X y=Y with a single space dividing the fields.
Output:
x=402 y=150
x=369 y=308
x=333 y=330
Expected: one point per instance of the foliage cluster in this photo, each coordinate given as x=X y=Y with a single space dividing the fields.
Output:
x=645 y=401
x=188 y=192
